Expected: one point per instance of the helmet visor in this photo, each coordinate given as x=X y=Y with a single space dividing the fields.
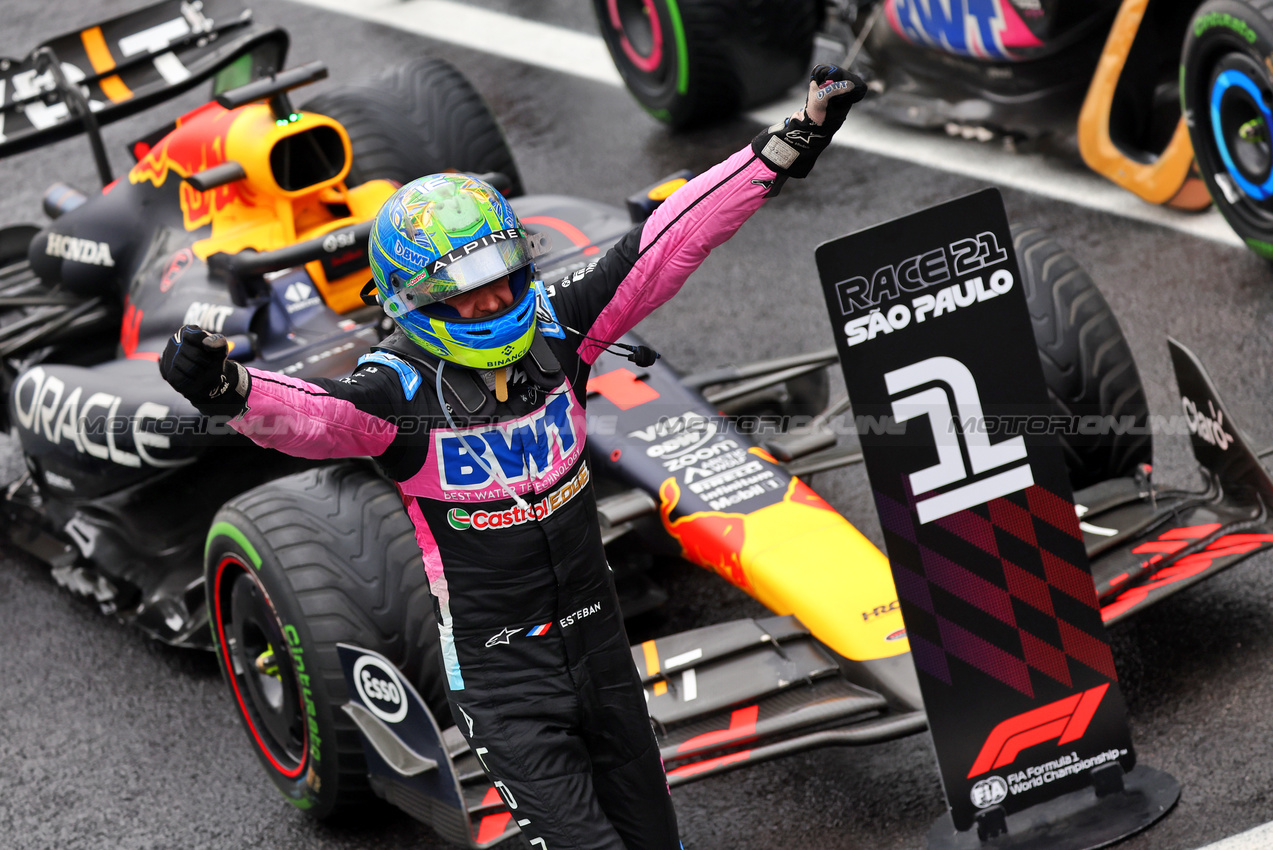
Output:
x=462 y=270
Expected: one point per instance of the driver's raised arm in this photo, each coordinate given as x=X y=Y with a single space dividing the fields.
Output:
x=648 y=266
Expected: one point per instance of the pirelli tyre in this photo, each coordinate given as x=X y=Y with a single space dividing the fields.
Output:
x=1091 y=377
x=416 y=119
x=1228 y=103
x=690 y=62
x=294 y=567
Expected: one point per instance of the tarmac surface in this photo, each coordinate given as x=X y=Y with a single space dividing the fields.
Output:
x=109 y=740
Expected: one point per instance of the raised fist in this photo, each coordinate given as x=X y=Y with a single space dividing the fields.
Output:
x=832 y=90
x=792 y=146
x=195 y=363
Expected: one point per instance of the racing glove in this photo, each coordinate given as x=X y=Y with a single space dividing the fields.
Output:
x=791 y=146
x=195 y=363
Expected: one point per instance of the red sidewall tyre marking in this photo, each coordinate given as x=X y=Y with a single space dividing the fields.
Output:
x=649 y=63
x=234 y=684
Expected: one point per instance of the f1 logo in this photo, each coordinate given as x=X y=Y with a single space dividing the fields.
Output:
x=947 y=428
x=1062 y=721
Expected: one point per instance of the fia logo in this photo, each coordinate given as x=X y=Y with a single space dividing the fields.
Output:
x=995 y=470
x=990 y=791
x=340 y=239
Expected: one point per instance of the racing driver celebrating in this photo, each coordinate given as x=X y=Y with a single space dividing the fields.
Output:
x=475 y=402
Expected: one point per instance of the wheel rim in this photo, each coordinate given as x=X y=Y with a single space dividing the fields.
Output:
x=248 y=632
x=1240 y=125
x=640 y=33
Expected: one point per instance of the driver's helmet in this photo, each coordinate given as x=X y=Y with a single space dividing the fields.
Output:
x=442 y=235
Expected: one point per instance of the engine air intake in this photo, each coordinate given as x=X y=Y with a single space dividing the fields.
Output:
x=307 y=158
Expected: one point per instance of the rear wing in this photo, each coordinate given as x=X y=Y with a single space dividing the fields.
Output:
x=130 y=63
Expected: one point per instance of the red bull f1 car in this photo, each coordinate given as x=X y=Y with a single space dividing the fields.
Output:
x=248 y=216
x=1167 y=100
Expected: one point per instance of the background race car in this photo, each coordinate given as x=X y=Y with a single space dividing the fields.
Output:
x=1167 y=100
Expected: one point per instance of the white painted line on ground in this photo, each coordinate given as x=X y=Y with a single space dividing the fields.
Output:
x=1260 y=838
x=490 y=32
x=582 y=55
x=1034 y=173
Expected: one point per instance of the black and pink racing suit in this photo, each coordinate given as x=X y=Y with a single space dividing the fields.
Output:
x=540 y=678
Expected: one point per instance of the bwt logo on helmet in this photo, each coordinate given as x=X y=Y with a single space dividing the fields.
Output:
x=379 y=689
x=409 y=254
x=524 y=448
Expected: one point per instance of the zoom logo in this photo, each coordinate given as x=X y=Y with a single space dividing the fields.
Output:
x=954 y=410
x=379 y=688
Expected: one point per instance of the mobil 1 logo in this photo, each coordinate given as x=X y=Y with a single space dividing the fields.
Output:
x=935 y=340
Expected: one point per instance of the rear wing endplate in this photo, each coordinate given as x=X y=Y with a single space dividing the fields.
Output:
x=130 y=63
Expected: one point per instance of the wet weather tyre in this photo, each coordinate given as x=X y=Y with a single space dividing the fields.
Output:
x=1228 y=99
x=1087 y=364
x=293 y=568
x=416 y=119
x=691 y=62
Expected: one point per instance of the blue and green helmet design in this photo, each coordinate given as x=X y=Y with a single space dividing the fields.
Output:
x=443 y=235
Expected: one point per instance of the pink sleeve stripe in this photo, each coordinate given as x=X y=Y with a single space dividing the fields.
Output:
x=303 y=420
x=432 y=557
x=677 y=238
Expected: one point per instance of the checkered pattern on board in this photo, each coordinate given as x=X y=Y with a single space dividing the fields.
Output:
x=1020 y=572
